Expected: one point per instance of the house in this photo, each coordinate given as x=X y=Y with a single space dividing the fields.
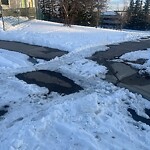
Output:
x=111 y=19
x=12 y=4
x=15 y=8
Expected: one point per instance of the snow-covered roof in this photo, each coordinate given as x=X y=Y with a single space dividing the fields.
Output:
x=110 y=13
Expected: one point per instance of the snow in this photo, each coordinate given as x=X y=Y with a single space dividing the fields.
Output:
x=10 y=59
x=82 y=68
x=76 y=38
x=134 y=56
x=10 y=21
x=95 y=118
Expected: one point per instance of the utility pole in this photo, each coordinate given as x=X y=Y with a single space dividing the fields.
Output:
x=37 y=9
x=1 y=13
x=97 y=10
x=98 y=14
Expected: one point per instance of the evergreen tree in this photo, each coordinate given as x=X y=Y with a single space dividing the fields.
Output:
x=147 y=14
x=138 y=18
x=138 y=15
x=130 y=13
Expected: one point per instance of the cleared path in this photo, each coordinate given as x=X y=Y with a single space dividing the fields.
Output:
x=53 y=81
x=32 y=50
x=120 y=49
x=121 y=74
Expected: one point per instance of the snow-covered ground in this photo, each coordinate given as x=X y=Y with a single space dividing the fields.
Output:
x=10 y=22
x=55 y=35
x=95 y=118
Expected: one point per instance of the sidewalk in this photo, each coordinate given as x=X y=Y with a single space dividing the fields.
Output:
x=123 y=75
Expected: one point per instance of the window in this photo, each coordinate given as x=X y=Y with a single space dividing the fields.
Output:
x=5 y=2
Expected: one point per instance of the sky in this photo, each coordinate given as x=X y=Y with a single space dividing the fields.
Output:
x=116 y=4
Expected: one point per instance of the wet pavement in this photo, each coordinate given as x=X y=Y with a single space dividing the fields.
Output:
x=32 y=50
x=53 y=81
x=122 y=74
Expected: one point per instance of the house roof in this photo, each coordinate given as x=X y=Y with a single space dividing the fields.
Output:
x=110 y=13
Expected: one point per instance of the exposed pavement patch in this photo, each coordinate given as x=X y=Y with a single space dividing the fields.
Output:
x=147 y=111
x=124 y=75
x=55 y=82
x=3 y=110
x=120 y=49
x=137 y=117
x=32 y=60
x=32 y=50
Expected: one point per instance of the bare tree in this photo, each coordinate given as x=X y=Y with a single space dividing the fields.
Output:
x=74 y=11
x=69 y=10
x=100 y=5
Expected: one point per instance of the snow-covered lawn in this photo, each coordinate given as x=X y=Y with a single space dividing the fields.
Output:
x=95 y=118
x=56 y=35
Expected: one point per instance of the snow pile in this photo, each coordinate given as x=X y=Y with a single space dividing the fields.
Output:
x=95 y=118
x=13 y=59
x=13 y=62
x=84 y=68
x=134 y=56
x=55 y=35
x=86 y=120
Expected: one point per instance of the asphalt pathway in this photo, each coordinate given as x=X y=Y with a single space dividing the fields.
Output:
x=53 y=81
x=122 y=74
x=115 y=51
x=32 y=50
x=119 y=73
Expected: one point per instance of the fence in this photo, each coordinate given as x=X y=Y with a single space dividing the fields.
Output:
x=14 y=16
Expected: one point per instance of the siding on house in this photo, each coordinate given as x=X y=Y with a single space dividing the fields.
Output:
x=17 y=3
x=111 y=19
x=15 y=8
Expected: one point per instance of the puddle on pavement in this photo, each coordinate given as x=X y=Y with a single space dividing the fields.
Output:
x=54 y=81
x=137 y=117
